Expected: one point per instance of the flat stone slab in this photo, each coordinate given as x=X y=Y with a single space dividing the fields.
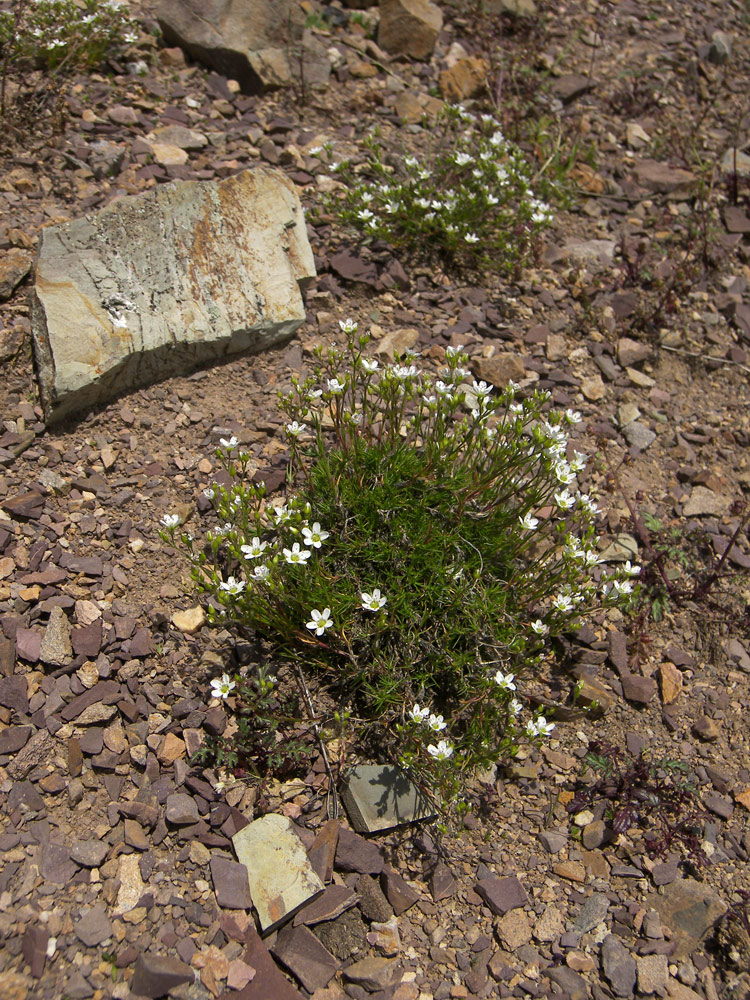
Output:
x=280 y=875
x=155 y=285
x=380 y=797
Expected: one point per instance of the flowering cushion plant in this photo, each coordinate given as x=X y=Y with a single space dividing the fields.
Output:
x=470 y=197
x=460 y=502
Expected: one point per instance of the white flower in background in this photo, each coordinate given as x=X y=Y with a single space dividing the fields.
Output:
x=573 y=416
x=429 y=400
x=579 y=461
x=514 y=706
x=261 y=573
x=170 y=520
x=539 y=627
x=505 y=681
x=232 y=587
x=295 y=429
x=631 y=570
x=314 y=394
x=229 y=443
x=622 y=587
x=255 y=549
x=364 y=215
x=369 y=364
x=404 y=372
x=335 y=386
x=282 y=514
x=417 y=714
x=563 y=602
x=528 y=521
x=297 y=556
x=539 y=727
x=563 y=473
x=209 y=493
x=436 y=723
x=564 y=500
x=471 y=238
x=462 y=159
x=497 y=139
x=481 y=389
x=592 y=558
x=374 y=601
x=492 y=199
x=442 y=751
x=453 y=352
x=585 y=501
x=319 y=621
x=315 y=536
x=222 y=687
x=443 y=389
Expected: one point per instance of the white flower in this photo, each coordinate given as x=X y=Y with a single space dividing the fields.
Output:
x=222 y=687
x=436 y=723
x=402 y=372
x=564 y=500
x=505 y=681
x=462 y=159
x=539 y=627
x=631 y=570
x=497 y=139
x=442 y=389
x=563 y=473
x=170 y=520
x=418 y=714
x=315 y=536
x=282 y=514
x=319 y=620
x=374 y=601
x=364 y=214
x=471 y=238
x=492 y=199
x=481 y=389
x=229 y=443
x=335 y=386
x=539 y=727
x=528 y=521
x=623 y=586
x=295 y=429
x=514 y=706
x=209 y=493
x=232 y=587
x=573 y=416
x=442 y=751
x=592 y=558
x=369 y=364
x=452 y=352
x=255 y=549
x=563 y=602
x=314 y=394
x=261 y=572
x=579 y=461
x=296 y=555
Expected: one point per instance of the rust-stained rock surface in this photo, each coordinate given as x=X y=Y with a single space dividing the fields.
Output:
x=155 y=285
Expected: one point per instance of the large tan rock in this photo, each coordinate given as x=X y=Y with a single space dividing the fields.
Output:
x=409 y=27
x=155 y=285
x=259 y=43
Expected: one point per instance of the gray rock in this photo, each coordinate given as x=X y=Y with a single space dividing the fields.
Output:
x=552 y=842
x=157 y=284
x=653 y=973
x=638 y=435
x=502 y=894
x=372 y=973
x=156 y=975
x=332 y=902
x=230 y=883
x=56 y=649
x=593 y=911
x=181 y=809
x=397 y=891
x=251 y=41
x=355 y=854
x=372 y=902
x=619 y=966
x=56 y=864
x=409 y=27
x=302 y=953
x=661 y=178
x=720 y=50
x=569 y=981
x=89 y=853
x=379 y=797
x=689 y=909
x=735 y=160
x=94 y=927
x=281 y=877
x=638 y=689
